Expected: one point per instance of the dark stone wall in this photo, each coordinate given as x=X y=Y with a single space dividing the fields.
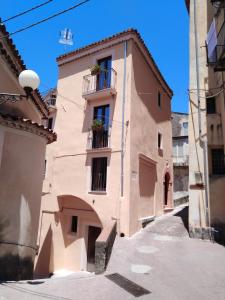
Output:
x=103 y=251
x=13 y=267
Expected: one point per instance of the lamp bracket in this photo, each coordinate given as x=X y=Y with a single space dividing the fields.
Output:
x=5 y=97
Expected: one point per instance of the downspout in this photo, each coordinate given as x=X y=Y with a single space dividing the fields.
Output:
x=203 y=142
x=122 y=138
x=123 y=117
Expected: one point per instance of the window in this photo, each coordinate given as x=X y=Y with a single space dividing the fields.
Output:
x=99 y=174
x=218 y=164
x=159 y=141
x=159 y=99
x=100 y=136
x=45 y=168
x=178 y=148
x=104 y=77
x=50 y=123
x=185 y=128
x=211 y=105
x=74 y=223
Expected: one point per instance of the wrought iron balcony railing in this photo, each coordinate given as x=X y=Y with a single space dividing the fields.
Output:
x=105 y=80
x=181 y=160
x=98 y=139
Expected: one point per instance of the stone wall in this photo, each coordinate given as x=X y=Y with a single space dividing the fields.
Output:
x=103 y=248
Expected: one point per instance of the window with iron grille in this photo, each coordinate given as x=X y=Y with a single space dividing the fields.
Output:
x=211 y=105
x=99 y=174
x=218 y=164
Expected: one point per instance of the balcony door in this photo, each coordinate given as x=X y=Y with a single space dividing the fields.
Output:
x=100 y=137
x=104 y=77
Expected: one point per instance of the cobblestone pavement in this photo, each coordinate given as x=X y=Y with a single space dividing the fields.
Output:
x=161 y=258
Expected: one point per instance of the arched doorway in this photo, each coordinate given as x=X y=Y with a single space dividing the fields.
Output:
x=166 y=188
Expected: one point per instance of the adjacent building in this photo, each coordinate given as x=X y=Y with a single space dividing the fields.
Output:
x=207 y=119
x=180 y=157
x=112 y=162
x=23 y=141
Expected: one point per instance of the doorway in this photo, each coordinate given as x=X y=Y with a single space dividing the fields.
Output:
x=93 y=233
x=166 y=188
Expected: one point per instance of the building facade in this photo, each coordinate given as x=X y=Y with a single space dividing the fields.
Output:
x=180 y=157
x=112 y=161
x=22 y=153
x=207 y=119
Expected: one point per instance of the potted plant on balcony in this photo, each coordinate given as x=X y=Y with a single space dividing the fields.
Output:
x=95 y=69
x=97 y=125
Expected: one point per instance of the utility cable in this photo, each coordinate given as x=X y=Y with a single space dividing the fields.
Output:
x=45 y=20
x=26 y=11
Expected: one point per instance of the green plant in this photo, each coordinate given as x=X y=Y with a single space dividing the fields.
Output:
x=97 y=125
x=95 y=69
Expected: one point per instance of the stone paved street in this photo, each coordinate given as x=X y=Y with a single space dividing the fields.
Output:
x=160 y=258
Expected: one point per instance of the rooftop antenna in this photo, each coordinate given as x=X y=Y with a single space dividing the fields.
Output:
x=66 y=38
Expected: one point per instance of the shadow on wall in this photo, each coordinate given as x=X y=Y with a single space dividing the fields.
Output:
x=13 y=267
x=184 y=215
x=44 y=258
x=147 y=180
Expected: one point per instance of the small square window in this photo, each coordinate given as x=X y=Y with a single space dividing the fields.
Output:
x=74 y=223
x=211 y=105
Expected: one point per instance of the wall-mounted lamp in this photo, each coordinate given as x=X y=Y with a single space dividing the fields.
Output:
x=29 y=81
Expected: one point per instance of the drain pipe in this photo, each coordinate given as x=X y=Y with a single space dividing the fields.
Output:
x=123 y=117
x=122 y=138
x=203 y=142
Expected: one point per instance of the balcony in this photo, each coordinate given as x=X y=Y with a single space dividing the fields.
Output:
x=181 y=161
x=99 y=141
x=216 y=42
x=99 y=86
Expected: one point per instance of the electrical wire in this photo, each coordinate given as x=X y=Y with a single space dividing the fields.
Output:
x=207 y=97
x=45 y=20
x=26 y=11
x=81 y=107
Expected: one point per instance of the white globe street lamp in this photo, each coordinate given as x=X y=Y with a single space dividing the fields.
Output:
x=28 y=80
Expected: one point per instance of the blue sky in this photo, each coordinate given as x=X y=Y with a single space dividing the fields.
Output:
x=162 y=24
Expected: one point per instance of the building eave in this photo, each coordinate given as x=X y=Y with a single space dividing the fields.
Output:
x=109 y=42
x=28 y=126
x=19 y=66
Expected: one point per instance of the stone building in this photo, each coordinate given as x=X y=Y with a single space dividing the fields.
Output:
x=180 y=157
x=112 y=162
x=207 y=119
x=23 y=141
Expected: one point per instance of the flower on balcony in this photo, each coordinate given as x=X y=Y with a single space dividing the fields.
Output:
x=95 y=69
x=97 y=125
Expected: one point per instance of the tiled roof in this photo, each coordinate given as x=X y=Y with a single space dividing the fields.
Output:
x=37 y=99
x=29 y=126
x=111 y=38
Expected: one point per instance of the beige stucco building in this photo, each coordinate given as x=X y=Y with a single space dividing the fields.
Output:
x=22 y=154
x=207 y=119
x=112 y=161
